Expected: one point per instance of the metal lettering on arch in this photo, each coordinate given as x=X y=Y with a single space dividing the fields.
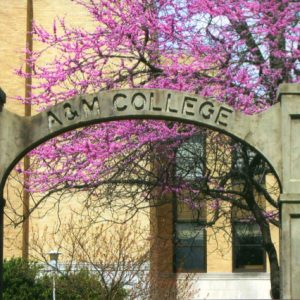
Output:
x=274 y=133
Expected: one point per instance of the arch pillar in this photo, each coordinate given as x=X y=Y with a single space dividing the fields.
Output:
x=289 y=97
x=2 y=205
x=290 y=246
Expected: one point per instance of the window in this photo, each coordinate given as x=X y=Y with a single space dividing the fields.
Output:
x=190 y=158
x=189 y=231
x=248 y=252
x=239 y=158
x=190 y=240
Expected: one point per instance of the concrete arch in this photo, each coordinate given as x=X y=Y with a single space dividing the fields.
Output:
x=274 y=133
x=27 y=133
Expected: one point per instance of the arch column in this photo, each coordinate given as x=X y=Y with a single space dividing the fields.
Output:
x=2 y=204
x=289 y=96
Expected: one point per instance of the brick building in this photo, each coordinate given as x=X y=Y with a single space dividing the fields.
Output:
x=217 y=274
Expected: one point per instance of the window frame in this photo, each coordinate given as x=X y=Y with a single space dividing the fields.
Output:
x=244 y=270
x=186 y=177
x=235 y=165
x=199 y=222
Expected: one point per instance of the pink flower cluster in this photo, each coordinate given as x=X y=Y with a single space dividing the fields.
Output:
x=237 y=51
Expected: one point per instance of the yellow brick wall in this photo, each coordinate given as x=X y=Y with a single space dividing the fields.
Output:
x=13 y=41
x=218 y=242
x=13 y=36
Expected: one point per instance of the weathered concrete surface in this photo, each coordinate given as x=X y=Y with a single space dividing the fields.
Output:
x=289 y=96
x=274 y=133
x=290 y=247
x=20 y=134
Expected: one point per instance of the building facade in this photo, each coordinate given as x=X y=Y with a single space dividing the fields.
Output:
x=223 y=266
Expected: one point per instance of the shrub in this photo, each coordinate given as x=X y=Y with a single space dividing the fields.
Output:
x=23 y=280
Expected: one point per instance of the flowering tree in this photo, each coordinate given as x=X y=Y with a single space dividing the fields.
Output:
x=236 y=51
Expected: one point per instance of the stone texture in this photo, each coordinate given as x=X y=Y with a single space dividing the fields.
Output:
x=141 y=103
x=289 y=96
x=273 y=133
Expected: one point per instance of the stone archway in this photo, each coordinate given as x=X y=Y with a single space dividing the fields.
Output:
x=273 y=133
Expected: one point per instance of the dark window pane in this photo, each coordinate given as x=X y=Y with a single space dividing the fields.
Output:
x=189 y=247
x=249 y=255
x=248 y=249
x=189 y=158
x=189 y=234
x=190 y=259
x=238 y=163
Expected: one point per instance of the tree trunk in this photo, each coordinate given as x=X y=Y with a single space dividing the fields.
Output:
x=267 y=243
x=274 y=270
